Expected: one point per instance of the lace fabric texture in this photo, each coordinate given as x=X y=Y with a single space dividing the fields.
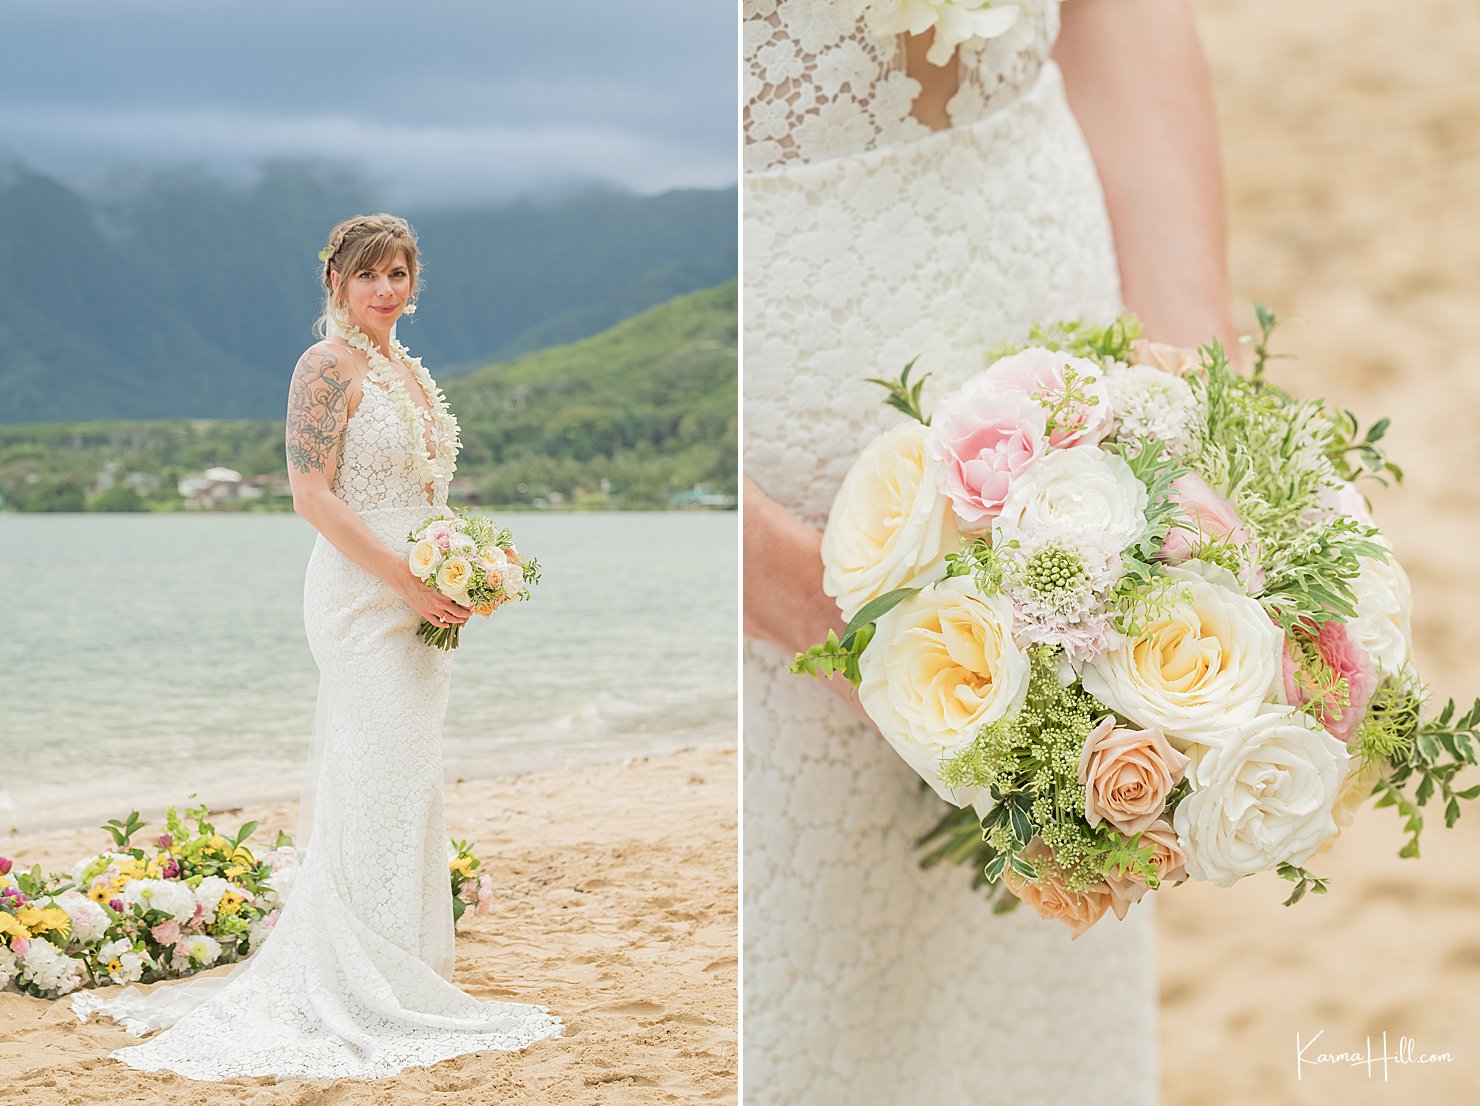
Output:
x=867 y=980
x=818 y=85
x=355 y=978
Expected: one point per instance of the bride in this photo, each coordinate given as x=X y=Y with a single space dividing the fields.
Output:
x=355 y=979
x=906 y=195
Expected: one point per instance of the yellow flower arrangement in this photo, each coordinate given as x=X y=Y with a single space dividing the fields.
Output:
x=234 y=871
x=231 y=902
x=217 y=843
x=10 y=926
x=464 y=864
x=39 y=919
x=102 y=891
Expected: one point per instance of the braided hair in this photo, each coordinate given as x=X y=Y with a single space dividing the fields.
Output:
x=360 y=243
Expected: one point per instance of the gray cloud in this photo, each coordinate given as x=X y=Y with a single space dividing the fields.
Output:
x=443 y=100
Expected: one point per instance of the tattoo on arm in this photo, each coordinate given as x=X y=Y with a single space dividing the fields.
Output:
x=317 y=401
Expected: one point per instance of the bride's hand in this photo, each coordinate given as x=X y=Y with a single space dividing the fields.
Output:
x=430 y=603
x=784 y=601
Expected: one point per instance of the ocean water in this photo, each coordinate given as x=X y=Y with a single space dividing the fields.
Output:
x=146 y=658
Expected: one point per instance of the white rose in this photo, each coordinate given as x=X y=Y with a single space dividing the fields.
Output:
x=495 y=556
x=511 y=579
x=424 y=558
x=1262 y=797
x=89 y=920
x=1083 y=490
x=1383 y=626
x=1208 y=661
x=941 y=665
x=889 y=524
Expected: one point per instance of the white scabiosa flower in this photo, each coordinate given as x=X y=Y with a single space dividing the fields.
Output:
x=1149 y=403
x=1058 y=580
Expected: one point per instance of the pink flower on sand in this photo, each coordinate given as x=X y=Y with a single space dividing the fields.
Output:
x=1211 y=516
x=1040 y=374
x=164 y=841
x=485 y=894
x=167 y=932
x=981 y=439
x=1340 y=652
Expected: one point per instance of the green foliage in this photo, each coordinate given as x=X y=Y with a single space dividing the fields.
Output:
x=1356 y=455
x=1309 y=576
x=1262 y=355
x=1441 y=748
x=1081 y=338
x=1303 y=881
x=904 y=396
x=839 y=655
x=978 y=559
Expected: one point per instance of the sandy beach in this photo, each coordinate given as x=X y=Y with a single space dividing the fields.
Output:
x=616 y=907
x=1351 y=137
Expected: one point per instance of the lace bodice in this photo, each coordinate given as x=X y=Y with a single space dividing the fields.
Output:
x=377 y=465
x=819 y=85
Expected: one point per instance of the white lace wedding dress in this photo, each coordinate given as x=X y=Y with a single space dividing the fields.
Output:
x=870 y=239
x=355 y=979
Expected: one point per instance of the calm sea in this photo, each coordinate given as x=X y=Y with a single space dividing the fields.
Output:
x=146 y=657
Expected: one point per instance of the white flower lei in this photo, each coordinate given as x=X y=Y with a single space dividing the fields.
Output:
x=437 y=469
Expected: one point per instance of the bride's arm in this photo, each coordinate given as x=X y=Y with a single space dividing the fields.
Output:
x=318 y=411
x=1138 y=82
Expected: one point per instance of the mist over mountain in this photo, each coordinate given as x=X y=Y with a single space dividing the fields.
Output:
x=183 y=295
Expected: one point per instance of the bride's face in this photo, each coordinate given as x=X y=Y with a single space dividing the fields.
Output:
x=376 y=297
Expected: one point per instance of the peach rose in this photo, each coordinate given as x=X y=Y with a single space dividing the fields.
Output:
x=1159 y=355
x=1049 y=896
x=1168 y=859
x=1127 y=775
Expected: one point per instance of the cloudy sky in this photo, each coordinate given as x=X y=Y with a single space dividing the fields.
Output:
x=441 y=100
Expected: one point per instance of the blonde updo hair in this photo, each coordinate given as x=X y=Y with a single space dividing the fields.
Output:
x=360 y=243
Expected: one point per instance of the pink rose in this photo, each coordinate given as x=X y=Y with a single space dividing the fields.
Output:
x=513 y=554
x=167 y=932
x=1049 y=896
x=1039 y=373
x=1211 y=516
x=485 y=894
x=1159 y=355
x=1168 y=860
x=1339 y=652
x=981 y=439
x=441 y=534
x=1127 y=776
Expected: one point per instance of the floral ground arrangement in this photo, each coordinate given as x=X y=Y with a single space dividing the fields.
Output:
x=190 y=900
x=1124 y=608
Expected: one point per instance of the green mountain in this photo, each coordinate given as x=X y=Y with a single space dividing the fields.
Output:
x=629 y=417
x=179 y=295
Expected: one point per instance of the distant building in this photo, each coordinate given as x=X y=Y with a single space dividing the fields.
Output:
x=698 y=498
x=205 y=491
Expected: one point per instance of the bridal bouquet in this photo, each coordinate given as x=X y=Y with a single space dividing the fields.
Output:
x=1123 y=606
x=191 y=900
x=471 y=561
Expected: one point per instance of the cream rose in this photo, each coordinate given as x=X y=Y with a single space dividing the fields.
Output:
x=1127 y=775
x=511 y=579
x=942 y=665
x=1262 y=797
x=1169 y=359
x=889 y=524
x=1209 y=661
x=424 y=558
x=1167 y=859
x=1383 y=628
x=1082 y=490
x=454 y=576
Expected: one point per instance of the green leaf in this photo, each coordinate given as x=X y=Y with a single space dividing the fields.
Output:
x=1022 y=829
x=1022 y=867
x=995 y=868
x=876 y=608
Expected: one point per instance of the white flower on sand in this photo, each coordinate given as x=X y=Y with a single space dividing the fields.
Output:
x=424 y=558
x=171 y=896
x=942 y=664
x=49 y=970
x=1383 y=627
x=454 y=576
x=889 y=524
x=511 y=578
x=209 y=891
x=130 y=965
x=1262 y=797
x=9 y=967
x=89 y=920
x=955 y=21
x=197 y=949
x=1207 y=661
x=1079 y=490
x=1149 y=403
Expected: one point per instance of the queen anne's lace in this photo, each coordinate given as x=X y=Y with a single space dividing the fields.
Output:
x=867 y=980
x=355 y=977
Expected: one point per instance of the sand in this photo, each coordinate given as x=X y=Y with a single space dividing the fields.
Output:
x=1351 y=132
x=616 y=907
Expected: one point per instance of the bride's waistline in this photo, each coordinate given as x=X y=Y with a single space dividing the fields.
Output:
x=1043 y=94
